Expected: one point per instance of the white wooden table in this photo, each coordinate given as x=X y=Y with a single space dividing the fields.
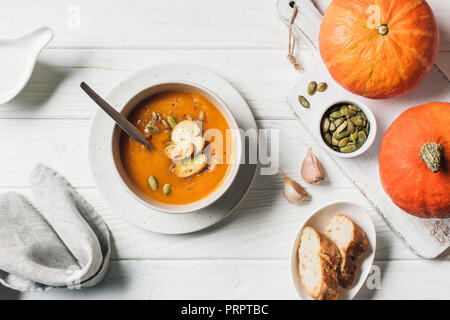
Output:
x=245 y=256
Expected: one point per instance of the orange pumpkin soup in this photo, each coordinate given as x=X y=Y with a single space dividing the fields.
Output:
x=154 y=118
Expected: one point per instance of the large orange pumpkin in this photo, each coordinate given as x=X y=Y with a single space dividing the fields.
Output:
x=414 y=160
x=378 y=48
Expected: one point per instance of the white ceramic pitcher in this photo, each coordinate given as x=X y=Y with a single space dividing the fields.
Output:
x=17 y=59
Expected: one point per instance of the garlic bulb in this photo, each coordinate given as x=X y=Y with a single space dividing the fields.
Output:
x=292 y=191
x=312 y=169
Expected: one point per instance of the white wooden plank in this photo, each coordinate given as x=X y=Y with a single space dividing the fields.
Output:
x=265 y=215
x=156 y=24
x=247 y=279
x=262 y=76
x=262 y=227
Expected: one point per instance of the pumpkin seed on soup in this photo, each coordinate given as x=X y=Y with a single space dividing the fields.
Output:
x=312 y=86
x=153 y=183
x=172 y=122
x=303 y=101
x=167 y=189
x=152 y=128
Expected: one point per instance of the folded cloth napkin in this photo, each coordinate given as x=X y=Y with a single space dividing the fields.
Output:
x=61 y=242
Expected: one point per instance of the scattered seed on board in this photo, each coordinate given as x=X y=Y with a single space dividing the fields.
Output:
x=303 y=101
x=312 y=86
x=322 y=86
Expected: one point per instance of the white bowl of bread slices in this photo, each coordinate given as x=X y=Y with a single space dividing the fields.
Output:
x=333 y=252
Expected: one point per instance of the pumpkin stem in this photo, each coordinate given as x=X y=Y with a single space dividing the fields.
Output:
x=431 y=154
x=383 y=29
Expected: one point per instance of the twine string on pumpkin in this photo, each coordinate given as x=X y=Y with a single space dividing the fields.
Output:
x=291 y=56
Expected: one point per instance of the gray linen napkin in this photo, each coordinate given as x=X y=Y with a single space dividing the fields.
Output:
x=62 y=242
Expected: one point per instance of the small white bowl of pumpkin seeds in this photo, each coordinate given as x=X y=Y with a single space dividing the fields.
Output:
x=347 y=128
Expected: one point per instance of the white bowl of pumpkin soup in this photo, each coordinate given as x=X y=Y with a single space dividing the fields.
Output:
x=196 y=148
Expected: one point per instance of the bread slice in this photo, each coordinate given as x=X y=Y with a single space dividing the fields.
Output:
x=189 y=167
x=352 y=243
x=179 y=151
x=318 y=262
x=188 y=131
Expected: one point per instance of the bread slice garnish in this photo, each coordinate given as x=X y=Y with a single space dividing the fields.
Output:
x=318 y=263
x=188 y=131
x=179 y=151
x=352 y=243
x=189 y=167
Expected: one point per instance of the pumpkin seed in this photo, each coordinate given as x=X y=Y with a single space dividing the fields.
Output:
x=336 y=114
x=362 y=115
x=350 y=127
x=354 y=135
x=343 y=110
x=348 y=148
x=343 y=142
x=332 y=127
x=334 y=141
x=328 y=138
x=354 y=108
x=357 y=120
x=303 y=101
x=362 y=137
x=340 y=135
x=153 y=183
x=154 y=116
x=201 y=116
x=350 y=113
x=338 y=122
x=167 y=189
x=321 y=87
x=152 y=128
x=341 y=127
x=172 y=122
x=312 y=86
x=325 y=125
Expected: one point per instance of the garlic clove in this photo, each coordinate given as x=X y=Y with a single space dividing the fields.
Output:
x=292 y=191
x=312 y=170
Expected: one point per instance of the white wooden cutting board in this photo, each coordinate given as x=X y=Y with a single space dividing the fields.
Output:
x=425 y=237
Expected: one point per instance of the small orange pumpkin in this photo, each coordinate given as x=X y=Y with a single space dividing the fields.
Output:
x=414 y=160
x=378 y=48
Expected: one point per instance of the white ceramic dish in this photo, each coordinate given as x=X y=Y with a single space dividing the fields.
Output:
x=236 y=152
x=370 y=137
x=319 y=219
x=110 y=184
x=17 y=59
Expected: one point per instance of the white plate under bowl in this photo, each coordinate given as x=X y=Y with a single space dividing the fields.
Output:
x=319 y=219
x=112 y=187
